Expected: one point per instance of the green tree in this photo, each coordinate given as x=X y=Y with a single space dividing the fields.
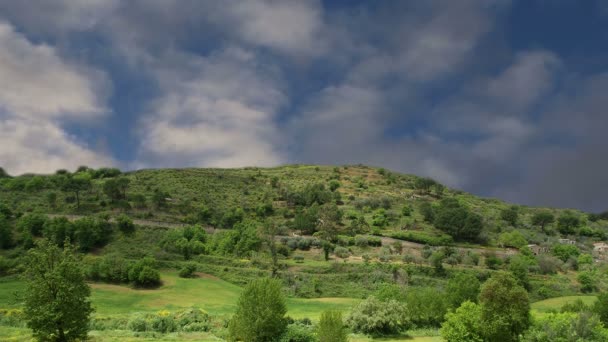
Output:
x=566 y=327
x=424 y=184
x=331 y=327
x=512 y=239
x=461 y=288
x=116 y=188
x=568 y=222
x=542 y=219
x=426 y=209
x=6 y=233
x=56 y=302
x=518 y=266
x=260 y=313
x=463 y=325
x=77 y=184
x=601 y=307
x=510 y=215
x=505 y=308
x=565 y=252
x=268 y=234
x=374 y=317
x=125 y=225
x=31 y=223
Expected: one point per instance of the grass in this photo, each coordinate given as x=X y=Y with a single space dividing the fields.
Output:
x=557 y=302
x=214 y=295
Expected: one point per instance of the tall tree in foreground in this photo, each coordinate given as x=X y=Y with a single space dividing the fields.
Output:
x=331 y=327
x=57 y=306
x=260 y=313
x=505 y=308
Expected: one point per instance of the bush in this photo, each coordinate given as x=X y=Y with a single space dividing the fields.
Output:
x=138 y=324
x=374 y=317
x=341 y=252
x=187 y=271
x=298 y=332
x=331 y=328
x=193 y=319
x=125 y=224
x=163 y=322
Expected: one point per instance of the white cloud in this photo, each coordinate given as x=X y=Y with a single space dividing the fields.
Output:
x=42 y=147
x=37 y=90
x=219 y=113
x=291 y=26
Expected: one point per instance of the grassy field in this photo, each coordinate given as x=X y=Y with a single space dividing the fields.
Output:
x=556 y=303
x=214 y=295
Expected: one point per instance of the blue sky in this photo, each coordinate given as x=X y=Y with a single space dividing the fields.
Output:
x=497 y=97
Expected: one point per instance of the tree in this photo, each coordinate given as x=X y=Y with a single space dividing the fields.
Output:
x=424 y=184
x=566 y=326
x=518 y=266
x=512 y=239
x=331 y=328
x=125 y=224
x=426 y=209
x=51 y=199
x=601 y=307
x=260 y=313
x=463 y=325
x=567 y=223
x=330 y=219
x=116 y=188
x=6 y=233
x=565 y=252
x=542 y=219
x=268 y=233
x=77 y=184
x=56 y=303
x=461 y=288
x=457 y=220
x=374 y=317
x=505 y=308
x=510 y=215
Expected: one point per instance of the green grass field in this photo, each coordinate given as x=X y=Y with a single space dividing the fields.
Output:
x=556 y=303
x=214 y=295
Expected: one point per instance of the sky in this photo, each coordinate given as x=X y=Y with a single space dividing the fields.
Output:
x=500 y=98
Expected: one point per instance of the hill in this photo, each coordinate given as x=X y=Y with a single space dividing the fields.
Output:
x=334 y=233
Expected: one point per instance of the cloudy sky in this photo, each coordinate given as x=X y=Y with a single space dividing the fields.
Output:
x=501 y=98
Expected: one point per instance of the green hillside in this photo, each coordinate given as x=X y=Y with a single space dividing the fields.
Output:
x=333 y=235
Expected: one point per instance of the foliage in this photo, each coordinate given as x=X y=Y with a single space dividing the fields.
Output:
x=464 y=324
x=427 y=306
x=458 y=221
x=543 y=218
x=260 y=312
x=600 y=307
x=125 y=224
x=372 y=316
x=510 y=215
x=566 y=327
x=565 y=251
x=144 y=274
x=505 y=308
x=568 y=222
x=461 y=288
x=298 y=332
x=31 y=223
x=6 y=233
x=512 y=239
x=187 y=270
x=331 y=327
x=588 y=280
x=56 y=303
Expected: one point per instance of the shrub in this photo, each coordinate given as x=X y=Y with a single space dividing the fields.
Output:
x=138 y=324
x=193 y=319
x=260 y=312
x=187 y=270
x=331 y=328
x=125 y=224
x=463 y=325
x=372 y=316
x=341 y=252
x=163 y=322
x=298 y=332
x=298 y=258
x=564 y=252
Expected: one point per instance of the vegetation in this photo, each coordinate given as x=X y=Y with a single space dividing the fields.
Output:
x=56 y=303
x=395 y=255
